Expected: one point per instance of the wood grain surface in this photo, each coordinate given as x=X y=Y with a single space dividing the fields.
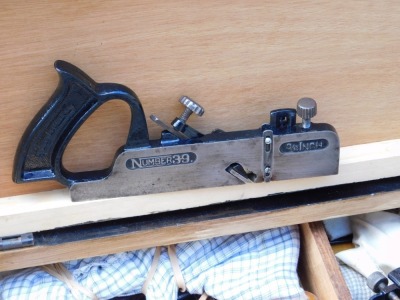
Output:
x=318 y=268
x=54 y=209
x=195 y=230
x=239 y=59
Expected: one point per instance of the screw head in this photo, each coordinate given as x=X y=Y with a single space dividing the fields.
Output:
x=306 y=108
x=377 y=280
x=268 y=141
x=192 y=105
x=267 y=171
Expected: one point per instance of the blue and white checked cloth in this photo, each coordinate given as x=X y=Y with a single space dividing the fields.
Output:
x=356 y=283
x=256 y=265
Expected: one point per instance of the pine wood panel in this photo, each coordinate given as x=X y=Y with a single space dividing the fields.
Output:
x=54 y=209
x=239 y=59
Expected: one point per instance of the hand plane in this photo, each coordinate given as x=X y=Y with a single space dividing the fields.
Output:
x=182 y=158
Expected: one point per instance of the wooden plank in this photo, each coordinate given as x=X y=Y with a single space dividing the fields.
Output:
x=48 y=210
x=197 y=230
x=318 y=269
x=238 y=59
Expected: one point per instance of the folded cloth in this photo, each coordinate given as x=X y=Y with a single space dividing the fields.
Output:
x=337 y=228
x=376 y=237
x=356 y=283
x=359 y=259
x=255 y=265
x=379 y=234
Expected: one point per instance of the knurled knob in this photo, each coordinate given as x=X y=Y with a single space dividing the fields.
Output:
x=377 y=282
x=192 y=105
x=306 y=109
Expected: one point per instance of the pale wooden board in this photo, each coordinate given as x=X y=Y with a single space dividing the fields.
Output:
x=239 y=59
x=48 y=210
x=179 y=233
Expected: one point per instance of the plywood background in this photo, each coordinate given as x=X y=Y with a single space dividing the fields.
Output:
x=239 y=59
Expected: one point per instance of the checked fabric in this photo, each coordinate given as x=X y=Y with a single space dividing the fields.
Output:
x=256 y=265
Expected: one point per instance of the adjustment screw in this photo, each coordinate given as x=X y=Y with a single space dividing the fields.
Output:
x=306 y=109
x=191 y=107
x=377 y=282
x=267 y=171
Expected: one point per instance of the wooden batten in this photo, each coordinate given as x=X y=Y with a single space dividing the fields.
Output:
x=48 y=210
x=318 y=268
x=197 y=230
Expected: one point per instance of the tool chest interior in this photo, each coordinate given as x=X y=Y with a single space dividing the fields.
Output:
x=247 y=64
x=318 y=268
